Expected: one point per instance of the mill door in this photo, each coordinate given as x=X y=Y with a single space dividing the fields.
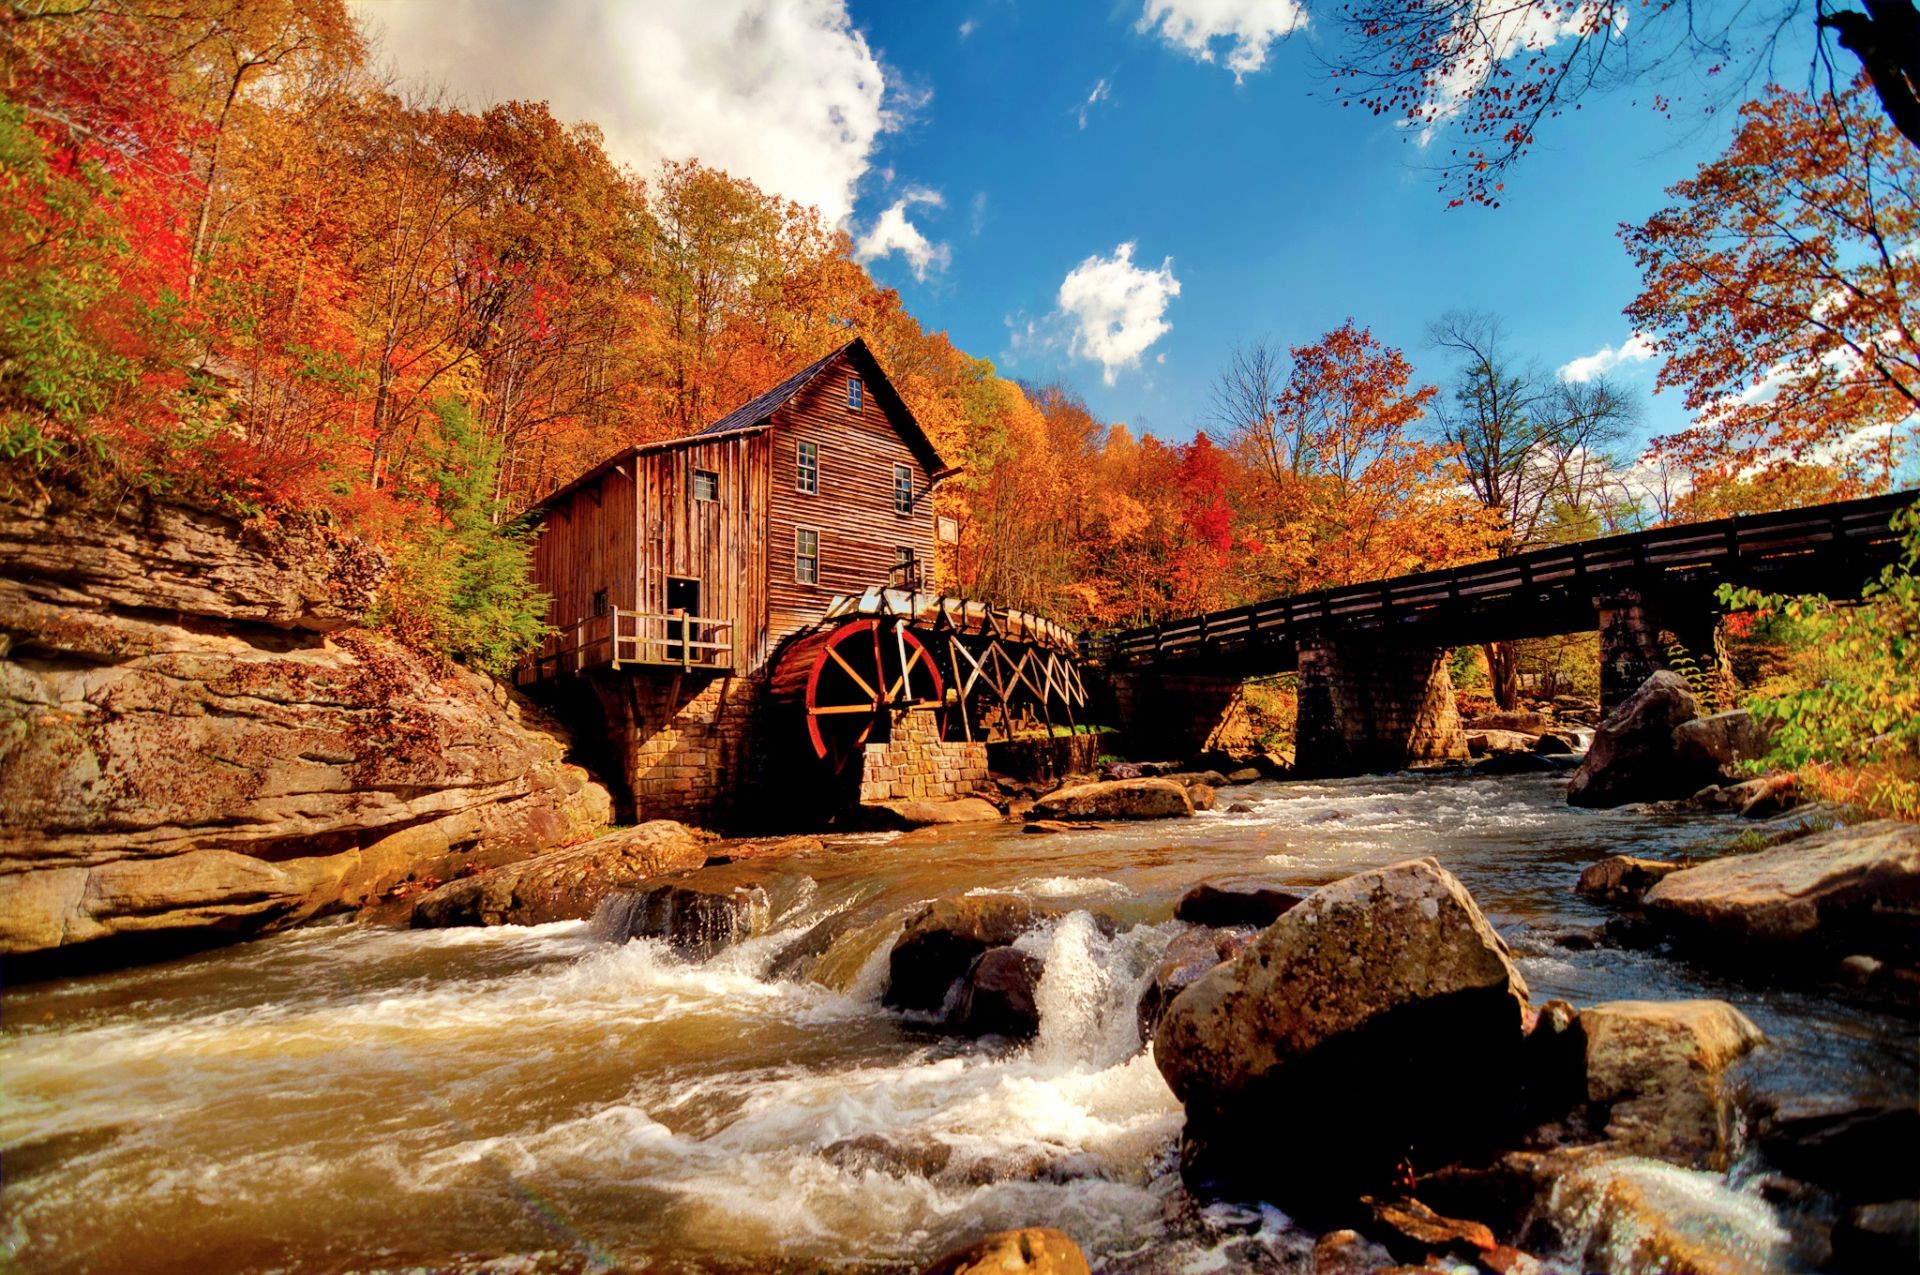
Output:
x=683 y=594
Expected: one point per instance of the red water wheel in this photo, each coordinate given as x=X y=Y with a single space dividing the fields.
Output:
x=848 y=679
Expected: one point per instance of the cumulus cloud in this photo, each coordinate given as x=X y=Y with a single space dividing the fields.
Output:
x=784 y=92
x=1248 y=26
x=1637 y=348
x=893 y=233
x=966 y=28
x=1101 y=92
x=1115 y=309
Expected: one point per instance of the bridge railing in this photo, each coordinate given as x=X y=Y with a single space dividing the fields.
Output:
x=1728 y=548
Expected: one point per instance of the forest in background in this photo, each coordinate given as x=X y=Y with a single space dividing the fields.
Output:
x=239 y=264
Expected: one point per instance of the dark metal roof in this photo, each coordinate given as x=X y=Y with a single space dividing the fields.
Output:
x=757 y=412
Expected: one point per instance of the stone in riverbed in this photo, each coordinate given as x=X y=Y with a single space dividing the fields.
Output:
x=1629 y=1216
x=1202 y=796
x=1633 y=758
x=1622 y=878
x=1861 y=1151
x=883 y=1153
x=1523 y=721
x=565 y=885
x=1349 y=1253
x=1234 y=903
x=1659 y=1068
x=1191 y=954
x=1304 y=1040
x=997 y=994
x=1116 y=799
x=1033 y=1250
x=926 y=814
x=1481 y=743
x=1853 y=889
x=1414 y=1231
x=1722 y=741
x=695 y=923
x=941 y=941
x=1879 y=1237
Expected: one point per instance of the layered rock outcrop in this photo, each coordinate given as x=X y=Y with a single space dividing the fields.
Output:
x=195 y=736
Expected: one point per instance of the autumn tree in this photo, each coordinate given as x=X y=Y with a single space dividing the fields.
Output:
x=1496 y=73
x=1784 y=288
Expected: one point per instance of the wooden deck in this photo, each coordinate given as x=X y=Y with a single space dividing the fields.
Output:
x=1832 y=548
x=622 y=639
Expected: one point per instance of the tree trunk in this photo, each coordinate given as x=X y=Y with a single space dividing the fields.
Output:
x=1504 y=673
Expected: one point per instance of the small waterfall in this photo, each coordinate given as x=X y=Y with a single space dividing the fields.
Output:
x=1092 y=984
x=695 y=923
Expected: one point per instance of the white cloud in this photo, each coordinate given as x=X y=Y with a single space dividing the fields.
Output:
x=893 y=233
x=784 y=92
x=1115 y=309
x=1101 y=92
x=1251 y=25
x=966 y=28
x=1493 y=33
x=977 y=213
x=1637 y=348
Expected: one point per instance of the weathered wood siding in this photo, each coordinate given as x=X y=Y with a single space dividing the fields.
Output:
x=853 y=511
x=720 y=543
x=586 y=544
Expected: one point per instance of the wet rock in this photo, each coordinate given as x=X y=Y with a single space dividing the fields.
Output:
x=565 y=885
x=1623 y=878
x=1121 y=770
x=1639 y=1217
x=196 y=739
x=1116 y=799
x=1047 y=827
x=1240 y=808
x=1413 y=1231
x=1851 y=889
x=1516 y=763
x=1633 y=757
x=1302 y=1040
x=923 y=814
x=1349 y=1253
x=997 y=994
x=1245 y=775
x=1202 y=797
x=1879 y=1237
x=1860 y=971
x=694 y=922
x=1033 y=1250
x=1198 y=779
x=1576 y=709
x=1480 y=743
x=1191 y=954
x=1860 y=1151
x=1234 y=903
x=1558 y=743
x=1659 y=1068
x=1555 y=1062
x=884 y=1153
x=1524 y=721
x=1722 y=741
x=1274 y=765
x=942 y=940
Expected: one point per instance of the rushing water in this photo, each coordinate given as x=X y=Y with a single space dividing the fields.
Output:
x=534 y=1099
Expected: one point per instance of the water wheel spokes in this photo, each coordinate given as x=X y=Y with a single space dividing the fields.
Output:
x=859 y=674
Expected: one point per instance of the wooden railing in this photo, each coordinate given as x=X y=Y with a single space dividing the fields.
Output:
x=1559 y=581
x=673 y=639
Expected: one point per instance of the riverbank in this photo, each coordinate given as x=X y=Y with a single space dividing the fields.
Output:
x=533 y=1098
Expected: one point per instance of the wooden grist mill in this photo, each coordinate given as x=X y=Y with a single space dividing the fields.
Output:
x=973 y=670
x=751 y=606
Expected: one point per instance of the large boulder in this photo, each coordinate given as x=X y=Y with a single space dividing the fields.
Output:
x=566 y=885
x=1032 y=1250
x=1234 y=903
x=1659 y=1070
x=940 y=943
x=1632 y=757
x=1191 y=954
x=1481 y=743
x=928 y=814
x=998 y=994
x=1623 y=878
x=1853 y=888
x=195 y=741
x=1723 y=741
x=1116 y=799
x=1305 y=1040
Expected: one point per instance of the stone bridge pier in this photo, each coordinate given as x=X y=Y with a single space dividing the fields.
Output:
x=1166 y=715
x=1368 y=705
x=1639 y=634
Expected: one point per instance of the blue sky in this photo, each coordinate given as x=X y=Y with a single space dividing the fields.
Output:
x=985 y=154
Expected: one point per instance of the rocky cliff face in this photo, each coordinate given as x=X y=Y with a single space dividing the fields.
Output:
x=194 y=734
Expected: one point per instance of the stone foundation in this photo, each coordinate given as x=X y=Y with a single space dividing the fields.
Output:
x=682 y=743
x=1180 y=715
x=915 y=764
x=1368 y=706
x=1046 y=758
x=1637 y=634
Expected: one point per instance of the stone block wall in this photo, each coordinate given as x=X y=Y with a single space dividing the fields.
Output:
x=1637 y=634
x=1044 y=757
x=683 y=744
x=915 y=764
x=1367 y=706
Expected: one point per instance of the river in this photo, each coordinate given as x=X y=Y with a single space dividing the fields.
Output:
x=343 y=1098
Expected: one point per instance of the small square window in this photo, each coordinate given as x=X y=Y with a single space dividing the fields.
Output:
x=706 y=485
x=807 y=468
x=903 y=489
x=806 y=556
x=855 y=393
x=902 y=555
x=599 y=601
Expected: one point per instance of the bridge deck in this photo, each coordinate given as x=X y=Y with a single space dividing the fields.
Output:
x=1831 y=548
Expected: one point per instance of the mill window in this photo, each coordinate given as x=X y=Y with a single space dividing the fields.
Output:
x=599 y=601
x=903 y=489
x=807 y=471
x=806 y=556
x=706 y=485
x=855 y=393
